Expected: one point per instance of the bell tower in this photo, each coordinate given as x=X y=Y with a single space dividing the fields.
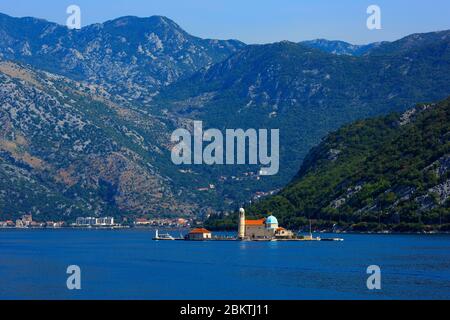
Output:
x=241 y=228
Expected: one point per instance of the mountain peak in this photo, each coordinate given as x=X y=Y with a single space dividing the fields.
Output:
x=141 y=25
x=339 y=47
x=150 y=52
x=151 y=20
x=412 y=42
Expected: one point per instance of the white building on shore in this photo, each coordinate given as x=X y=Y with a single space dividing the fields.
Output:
x=95 y=222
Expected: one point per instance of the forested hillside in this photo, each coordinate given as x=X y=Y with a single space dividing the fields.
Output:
x=388 y=173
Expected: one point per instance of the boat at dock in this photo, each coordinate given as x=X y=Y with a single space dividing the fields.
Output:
x=331 y=239
x=162 y=236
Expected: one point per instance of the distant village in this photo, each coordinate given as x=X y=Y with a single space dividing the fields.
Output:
x=26 y=221
x=264 y=229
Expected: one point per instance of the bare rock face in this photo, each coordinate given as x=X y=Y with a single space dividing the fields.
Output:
x=442 y=165
x=442 y=191
x=130 y=56
x=86 y=126
x=65 y=152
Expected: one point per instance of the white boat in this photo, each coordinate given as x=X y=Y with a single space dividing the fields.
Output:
x=162 y=236
x=332 y=239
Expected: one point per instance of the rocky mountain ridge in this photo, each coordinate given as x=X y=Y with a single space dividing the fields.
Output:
x=64 y=152
x=88 y=113
x=130 y=56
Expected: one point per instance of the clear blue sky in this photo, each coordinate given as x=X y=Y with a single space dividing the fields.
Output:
x=258 y=21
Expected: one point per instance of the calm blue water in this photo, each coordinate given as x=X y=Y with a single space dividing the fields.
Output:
x=127 y=264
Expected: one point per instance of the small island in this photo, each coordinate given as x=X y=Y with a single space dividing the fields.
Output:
x=265 y=229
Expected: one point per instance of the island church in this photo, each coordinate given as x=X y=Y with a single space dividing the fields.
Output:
x=265 y=228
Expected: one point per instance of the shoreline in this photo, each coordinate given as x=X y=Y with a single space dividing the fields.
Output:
x=170 y=228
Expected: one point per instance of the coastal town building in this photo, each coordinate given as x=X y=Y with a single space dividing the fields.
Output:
x=52 y=224
x=9 y=223
x=105 y=221
x=92 y=221
x=182 y=222
x=142 y=222
x=162 y=222
x=27 y=221
x=35 y=224
x=24 y=222
x=19 y=223
x=85 y=221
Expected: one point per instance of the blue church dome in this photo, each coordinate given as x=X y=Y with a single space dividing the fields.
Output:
x=271 y=220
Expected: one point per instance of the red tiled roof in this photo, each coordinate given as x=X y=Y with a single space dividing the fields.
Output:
x=259 y=222
x=200 y=230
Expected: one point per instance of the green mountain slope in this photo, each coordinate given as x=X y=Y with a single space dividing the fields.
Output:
x=305 y=93
x=389 y=173
x=124 y=85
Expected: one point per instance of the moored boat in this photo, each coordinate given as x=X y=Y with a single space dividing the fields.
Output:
x=162 y=236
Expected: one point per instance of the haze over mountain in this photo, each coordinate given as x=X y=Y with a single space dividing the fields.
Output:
x=87 y=114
